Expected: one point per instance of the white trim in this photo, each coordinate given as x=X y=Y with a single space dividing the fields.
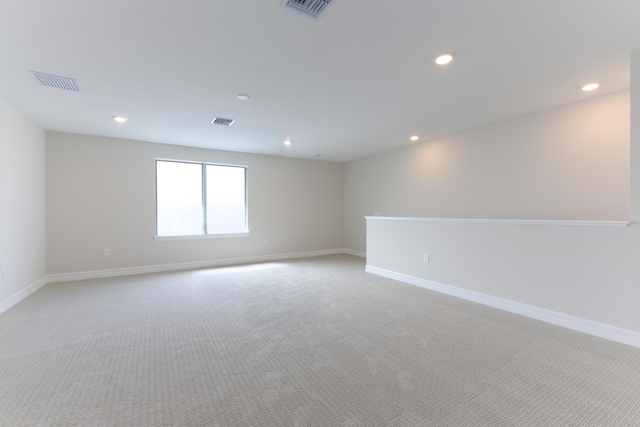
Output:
x=507 y=221
x=19 y=296
x=361 y=254
x=601 y=330
x=128 y=271
x=203 y=236
x=200 y=162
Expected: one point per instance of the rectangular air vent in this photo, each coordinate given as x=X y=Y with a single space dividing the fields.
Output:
x=59 y=82
x=309 y=8
x=221 y=121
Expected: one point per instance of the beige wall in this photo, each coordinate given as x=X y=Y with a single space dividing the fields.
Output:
x=635 y=136
x=102 y=195
x=570 y=163
x=23 y=201
x=590 y=273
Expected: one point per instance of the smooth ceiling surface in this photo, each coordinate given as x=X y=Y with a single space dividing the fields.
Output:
x=359 y=81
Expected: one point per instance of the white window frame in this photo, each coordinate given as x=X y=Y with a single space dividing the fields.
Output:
x=204 y=235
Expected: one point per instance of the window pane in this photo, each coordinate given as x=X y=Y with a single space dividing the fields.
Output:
x=226 y=207
x=179 y=193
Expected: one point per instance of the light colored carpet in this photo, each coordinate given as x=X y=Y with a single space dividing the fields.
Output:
x=312 y=342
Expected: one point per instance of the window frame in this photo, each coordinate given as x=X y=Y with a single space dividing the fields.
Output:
x=204 y=234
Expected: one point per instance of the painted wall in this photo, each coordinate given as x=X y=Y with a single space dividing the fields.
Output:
x=22 y=201
x=570 y=163
x=102 y=195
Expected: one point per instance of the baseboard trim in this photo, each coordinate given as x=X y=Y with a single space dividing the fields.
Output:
x=353 y=252
x=129 y=271
x=601 y=330
x=19 y=296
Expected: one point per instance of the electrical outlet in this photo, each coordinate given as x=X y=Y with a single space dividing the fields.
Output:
x=4 y=273
x=106 y=252
x=426 y=257
x=266 y=241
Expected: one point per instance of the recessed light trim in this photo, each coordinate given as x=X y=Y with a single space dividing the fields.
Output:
x=120 y=119
x=288 y=142
x=590 y=86
x=414 y=138
x=444 y=58
x=243 y=97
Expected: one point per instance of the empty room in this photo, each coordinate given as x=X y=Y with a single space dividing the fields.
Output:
x=319 y=213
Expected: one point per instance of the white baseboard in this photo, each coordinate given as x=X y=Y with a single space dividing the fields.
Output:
x=19 y=296
x=601 y=330
x=353 y=252
x=128 y=271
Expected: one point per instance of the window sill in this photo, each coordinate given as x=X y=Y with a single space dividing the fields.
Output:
x=203 y=236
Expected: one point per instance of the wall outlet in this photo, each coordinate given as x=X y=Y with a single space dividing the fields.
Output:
x=426 y=257
x=106 y=252
x=361 y=238
x=266 y=241
x=377 y=213
x=4 y=273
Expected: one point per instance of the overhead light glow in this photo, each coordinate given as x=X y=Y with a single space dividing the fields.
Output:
x=120 y=119
x=414 y=138
x=444 y=59
x=590 y=86
x=243 y=97
x=288 y=142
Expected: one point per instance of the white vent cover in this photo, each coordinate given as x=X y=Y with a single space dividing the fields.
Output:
x=309 y=8
x=56 y=81
x=222 y=122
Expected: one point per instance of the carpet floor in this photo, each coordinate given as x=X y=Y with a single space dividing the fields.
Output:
x=310 y=342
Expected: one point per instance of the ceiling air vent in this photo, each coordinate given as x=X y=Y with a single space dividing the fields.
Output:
x=221 y=121
x=309 y=8
x=56 y=81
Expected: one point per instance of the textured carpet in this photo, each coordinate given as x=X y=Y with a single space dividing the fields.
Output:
x=313 y=342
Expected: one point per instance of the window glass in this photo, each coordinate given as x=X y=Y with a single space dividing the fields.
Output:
x=199 y=198
x=226 y=202
x=179 y=198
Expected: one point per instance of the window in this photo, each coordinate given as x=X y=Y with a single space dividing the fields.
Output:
x=199 y=199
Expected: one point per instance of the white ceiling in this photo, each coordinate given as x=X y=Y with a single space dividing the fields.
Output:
x=359 y=81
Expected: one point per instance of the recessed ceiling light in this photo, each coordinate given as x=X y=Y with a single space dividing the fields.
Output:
x=288 y=142
x=414 y=138
x=243 y=97
x=590 y=86
x=444 y=58
x=120 y=119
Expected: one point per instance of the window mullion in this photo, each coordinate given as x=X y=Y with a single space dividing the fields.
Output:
x=204 y=199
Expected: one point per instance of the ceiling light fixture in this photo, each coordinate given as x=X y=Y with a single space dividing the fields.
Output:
x=243 y=97
x=288 y=142
x=120 y=119
x=414 y=138
x=444 y=58
x=590 y=86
